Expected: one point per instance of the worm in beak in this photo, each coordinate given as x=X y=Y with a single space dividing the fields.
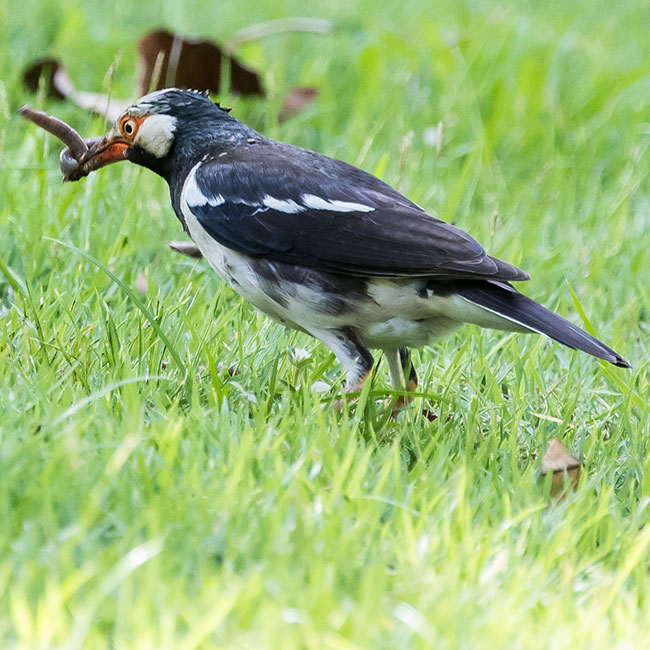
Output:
x=80 y=157
x=57 y=128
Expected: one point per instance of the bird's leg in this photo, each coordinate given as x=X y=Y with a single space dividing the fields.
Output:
x=351 y=354
x=393 y=358
x=412 y=382
x=400 y=366
x=409 y=370
x=357 y=362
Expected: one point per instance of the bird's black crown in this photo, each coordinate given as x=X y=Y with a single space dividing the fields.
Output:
x=178 y=102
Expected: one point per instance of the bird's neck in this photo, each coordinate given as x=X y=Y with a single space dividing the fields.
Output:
x=209 y=140
x=191 y=146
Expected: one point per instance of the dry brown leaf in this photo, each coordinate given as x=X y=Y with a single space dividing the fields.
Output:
x=58 y=85
x=170 y=60
x=166 y=60
x=297 y=99
x=55 y=79
x=559 y=460
x=188 y=63
x=186 y=248
x=428 y=414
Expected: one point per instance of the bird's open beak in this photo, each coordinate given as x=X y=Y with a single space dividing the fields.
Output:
x=100 y=152
x=104 y=151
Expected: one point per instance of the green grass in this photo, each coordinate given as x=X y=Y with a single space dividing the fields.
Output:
x=149 y=499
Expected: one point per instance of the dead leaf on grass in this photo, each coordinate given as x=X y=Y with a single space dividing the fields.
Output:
x=55 y=79
x=57 y=85
x=297 y=99
x=558 y=460
x=190 y=63
x=167 y=59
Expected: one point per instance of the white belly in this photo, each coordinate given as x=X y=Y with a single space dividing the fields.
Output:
x=234 y=269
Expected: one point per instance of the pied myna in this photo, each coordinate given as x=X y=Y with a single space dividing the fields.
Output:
x=320 y=245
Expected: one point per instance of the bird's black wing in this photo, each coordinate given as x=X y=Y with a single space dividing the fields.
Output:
x=294 y=206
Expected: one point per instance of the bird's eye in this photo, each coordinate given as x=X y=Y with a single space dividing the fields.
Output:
x=128 y=127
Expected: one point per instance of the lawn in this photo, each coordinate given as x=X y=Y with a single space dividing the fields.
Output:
x=172 y=472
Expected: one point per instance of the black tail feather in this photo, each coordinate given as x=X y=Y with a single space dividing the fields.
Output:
x=505 y=301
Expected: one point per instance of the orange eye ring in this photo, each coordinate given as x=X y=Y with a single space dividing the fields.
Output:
x=128 y=126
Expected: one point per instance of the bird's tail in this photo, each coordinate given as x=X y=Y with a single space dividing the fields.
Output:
x=505 y=301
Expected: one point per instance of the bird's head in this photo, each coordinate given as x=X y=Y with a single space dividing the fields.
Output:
x=166 y=130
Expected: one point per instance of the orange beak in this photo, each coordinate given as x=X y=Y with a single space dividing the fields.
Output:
x=103 y=152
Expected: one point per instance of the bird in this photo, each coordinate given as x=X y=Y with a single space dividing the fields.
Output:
x=321 y=246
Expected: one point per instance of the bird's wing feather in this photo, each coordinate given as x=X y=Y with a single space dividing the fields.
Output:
x=298 y=207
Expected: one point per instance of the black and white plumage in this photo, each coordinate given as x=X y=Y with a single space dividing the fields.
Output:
x=323 y=246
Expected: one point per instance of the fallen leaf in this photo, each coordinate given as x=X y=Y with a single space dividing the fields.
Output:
x=186 y=248
x=558 y=460
x=166 y=60
x=430 y=415
x=297 y=99
x=58 y=85
x=188 y=63
x=170 y=60
x=54 y=78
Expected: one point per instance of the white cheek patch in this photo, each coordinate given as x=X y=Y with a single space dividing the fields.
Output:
x=156 y=134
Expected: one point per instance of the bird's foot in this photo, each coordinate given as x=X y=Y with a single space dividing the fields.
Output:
x=405 y=400
x=356 y=387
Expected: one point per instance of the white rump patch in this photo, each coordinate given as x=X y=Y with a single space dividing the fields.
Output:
x=318 y=203
x=156 y=134
x=195 y=198
x=288 y=206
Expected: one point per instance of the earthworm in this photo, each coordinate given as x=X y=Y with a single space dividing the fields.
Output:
x=58 y=128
